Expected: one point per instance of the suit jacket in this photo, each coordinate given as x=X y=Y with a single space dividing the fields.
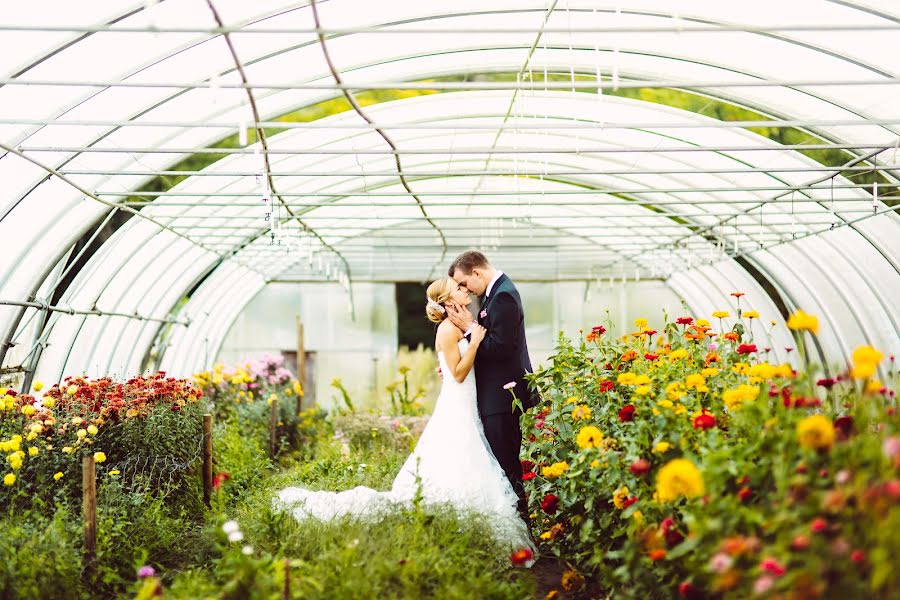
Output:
x=503 y=354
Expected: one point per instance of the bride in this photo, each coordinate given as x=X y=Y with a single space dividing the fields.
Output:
x=452 y=463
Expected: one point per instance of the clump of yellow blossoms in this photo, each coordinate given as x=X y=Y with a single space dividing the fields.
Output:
x=815 y=432
x=679 y=478
x=555 y=470
x=589 y=437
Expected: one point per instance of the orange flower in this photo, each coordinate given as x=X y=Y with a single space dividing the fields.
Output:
x=730 y=336
x=738 y=294
x=657 y=554
x=629 y=356
x=711 y=357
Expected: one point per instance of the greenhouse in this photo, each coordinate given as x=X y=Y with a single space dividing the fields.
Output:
x=219 y=221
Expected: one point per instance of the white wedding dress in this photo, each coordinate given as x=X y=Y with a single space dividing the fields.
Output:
x=454 y=464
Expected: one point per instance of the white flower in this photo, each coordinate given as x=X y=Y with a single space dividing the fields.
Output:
x=230 y=526
x=247 y=550
x=353 y=543
x=235 y=536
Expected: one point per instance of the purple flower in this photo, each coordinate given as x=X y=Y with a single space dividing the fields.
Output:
x=146 y=571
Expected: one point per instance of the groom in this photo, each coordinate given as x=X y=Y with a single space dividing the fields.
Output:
x=502 y=358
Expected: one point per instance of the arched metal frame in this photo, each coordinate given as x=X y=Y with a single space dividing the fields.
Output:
x=42 y=217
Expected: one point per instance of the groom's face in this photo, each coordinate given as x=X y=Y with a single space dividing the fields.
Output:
x=472 y=282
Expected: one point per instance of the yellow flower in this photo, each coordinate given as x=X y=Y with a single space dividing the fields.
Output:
x=734 y=397
x=619 y=496
x=867 y=355
x=800 y=321
x=72 y=390
x=31 y=435
x=572 y=400
x=546 y=535
x=595 y=464
x=9 y=479
x=709 y=372
x=27 y=410
x=740 y=368
x=589 y=437
x=702 y=323
x=77 y=421
x=665 y=403
x=640 y=324
x=36 y=428
x=49 y=402
x=874 y=386
x=626 y=378
x=33 y=451
x=555 y=470
x=92 y=429
x=582 y=412
x=679 y=477
x=694 y=381
x=642 y=390
x=68 y=449
x=680 y=409
x=763 y=370
x=863 y=371
x=115 y=472
x=99 y=457
x=679 y=353
x=751 y=314
x=638 y=516
x=674 y=390
x=57 y=476
x=642 y=380
x=81 y=433
x=720 y=314
x=815 y=432
x=785 y=371
x=662 y=447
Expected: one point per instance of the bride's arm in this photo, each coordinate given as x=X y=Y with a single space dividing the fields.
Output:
x=447 y=339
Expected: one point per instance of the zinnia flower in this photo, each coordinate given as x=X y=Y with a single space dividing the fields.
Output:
x=581 y=413
x=751 y=314
x=146 y=571
x=555 y=470
x=800 y=321
x=747 y=349
x=99 y=457
x=679 y=477
x=720 y=314
x=640 y=466
x=815 y=432
x=685 y=320
x=662 y=447
x=57 y=476
x=606 y=386
x=704 y=421
x=9 y=479
x=589 y=437
x=550 y=503
x=619 y=496
x=220 y=478
x=626 y=414
x=520 y=557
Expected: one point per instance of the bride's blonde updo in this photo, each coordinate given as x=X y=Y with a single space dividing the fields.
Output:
x=438 y=293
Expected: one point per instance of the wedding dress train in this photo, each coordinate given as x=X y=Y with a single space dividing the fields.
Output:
x=452 y=464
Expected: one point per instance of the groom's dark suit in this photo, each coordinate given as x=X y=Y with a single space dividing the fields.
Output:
x=502 y=358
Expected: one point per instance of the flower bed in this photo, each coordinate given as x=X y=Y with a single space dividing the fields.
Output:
x=663 y=465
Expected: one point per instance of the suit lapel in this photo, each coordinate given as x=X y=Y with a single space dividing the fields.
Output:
x=494 y=291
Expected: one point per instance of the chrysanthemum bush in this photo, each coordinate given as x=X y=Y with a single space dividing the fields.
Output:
x=683 y=463
x=127 y=426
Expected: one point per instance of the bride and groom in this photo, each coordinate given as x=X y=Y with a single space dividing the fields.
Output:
x=468 y=454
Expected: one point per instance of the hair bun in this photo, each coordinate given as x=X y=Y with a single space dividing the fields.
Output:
x=436 y=306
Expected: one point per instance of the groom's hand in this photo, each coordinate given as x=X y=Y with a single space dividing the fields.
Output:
x=459 y=316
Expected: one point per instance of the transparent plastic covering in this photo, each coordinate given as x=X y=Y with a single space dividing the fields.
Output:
x=557 y=185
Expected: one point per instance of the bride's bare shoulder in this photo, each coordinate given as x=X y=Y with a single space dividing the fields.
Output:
x=447 y=332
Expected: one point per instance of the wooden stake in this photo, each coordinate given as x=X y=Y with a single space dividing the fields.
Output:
x=89 y=506
x=273 y=427
x=207 y=473
x=287 y=579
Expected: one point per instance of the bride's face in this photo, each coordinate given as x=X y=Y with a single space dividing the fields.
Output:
x=459 y=294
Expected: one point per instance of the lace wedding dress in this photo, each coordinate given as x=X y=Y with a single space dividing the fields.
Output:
x=452 y=464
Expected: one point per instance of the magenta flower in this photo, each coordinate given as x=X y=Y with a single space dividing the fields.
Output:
x=146 y=571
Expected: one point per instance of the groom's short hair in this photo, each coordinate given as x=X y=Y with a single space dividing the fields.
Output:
x=468 y=260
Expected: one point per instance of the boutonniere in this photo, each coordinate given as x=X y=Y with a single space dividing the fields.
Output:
x=483 y=314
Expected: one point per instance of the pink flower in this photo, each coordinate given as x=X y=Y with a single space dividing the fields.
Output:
x=818 y=525
x=772 y=566
x=720 y=562
x=146 y=571
x=763 y=584
x=509 y=385
x=891 y=447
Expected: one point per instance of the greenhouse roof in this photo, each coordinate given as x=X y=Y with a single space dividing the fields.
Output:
x=716 y=148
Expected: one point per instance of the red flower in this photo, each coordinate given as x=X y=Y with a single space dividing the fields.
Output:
x=606 y=386
x=529 y=476
x=599 y=329
x=685 y=320
x=704 y=421
x=640 y=466
x=657 y=554
x=688 y=590
x=527 y=465
x=550 y=503
x=649 y=332
x=220 y=478
x=858 y=556
x=627 y=413
x=520 y=557
x=746 y=349
x=818 y=525
x=649 y=356
x=844 y=427
x=744 y=494
x=670 y=532
x=826 y=383
x=800 y=543
x=772 y=566
x=629 y=501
